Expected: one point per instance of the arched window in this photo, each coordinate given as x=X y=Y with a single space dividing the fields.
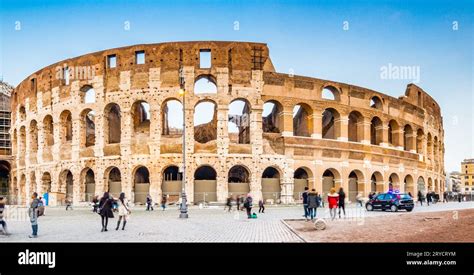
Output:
x=66 y=126
x=376 y=129
x=375 y=102
x=408 y=138
x=271 y=120
x=87 y=128
x=48 y=131
x=355 y=127
x=141 y=117
x=205 y=122
x=172 y=118
x=330 y=93
x=239 y=121
x=112 y=123
x=302 y=120
x=87 y=94
x=205 y=85
x=331 y=124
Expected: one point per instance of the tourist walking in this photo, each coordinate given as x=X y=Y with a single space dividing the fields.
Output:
x=333 y=199
x=304 y=196
x=321 y=201
x=228 y=204
x=95 y=204
x=428 y=198
x=261 y=206
x=459 y=197
x=445 y=196
x=105 y=210
x=123 y=211
x=33 y=213
x=3 y=223
x=341 y=203
x=237 y=201
x=68 y=203
x=313 y=203
x=420 y=198
x=149 y=203
x=248 y=205
x=163 y=202
x=359 y=199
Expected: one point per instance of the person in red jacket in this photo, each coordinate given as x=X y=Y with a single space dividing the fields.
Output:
x=333 y=200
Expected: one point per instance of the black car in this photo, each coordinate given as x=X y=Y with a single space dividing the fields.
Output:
x=391 y=201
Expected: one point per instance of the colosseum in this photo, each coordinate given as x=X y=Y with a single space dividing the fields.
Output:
x=113 y=121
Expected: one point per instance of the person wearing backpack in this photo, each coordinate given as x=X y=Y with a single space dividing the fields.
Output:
x=123 y=210
x=105 y=210
x=33 y=213
x=313 y=204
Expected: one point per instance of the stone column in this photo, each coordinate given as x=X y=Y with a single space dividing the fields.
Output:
x=287 y=121
x=366 y=124
x=99 y=134
x=155 y=128
x=317 y=124
x=399 y=139
x=76 y=137
x=126 y=134
x=383 y=131
x=222 y=130
x=341 y=128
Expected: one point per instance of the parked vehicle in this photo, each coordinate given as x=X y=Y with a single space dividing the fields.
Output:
x=390 y=201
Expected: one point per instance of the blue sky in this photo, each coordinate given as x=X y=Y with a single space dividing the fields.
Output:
x=304 y=37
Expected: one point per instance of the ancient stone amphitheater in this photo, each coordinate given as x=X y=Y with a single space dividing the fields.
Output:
x=103 y=121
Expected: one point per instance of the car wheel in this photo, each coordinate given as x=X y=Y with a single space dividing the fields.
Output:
x=369 y=207
x=393 y=208
x=409 y=209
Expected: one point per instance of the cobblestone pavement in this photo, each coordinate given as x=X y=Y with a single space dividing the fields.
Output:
x=203 y=225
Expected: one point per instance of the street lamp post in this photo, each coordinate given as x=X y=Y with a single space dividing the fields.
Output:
x=184 y=207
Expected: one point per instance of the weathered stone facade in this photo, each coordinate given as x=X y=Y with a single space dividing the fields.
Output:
x=360 y=139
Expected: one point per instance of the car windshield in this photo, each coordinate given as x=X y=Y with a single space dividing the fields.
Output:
x=405 y=196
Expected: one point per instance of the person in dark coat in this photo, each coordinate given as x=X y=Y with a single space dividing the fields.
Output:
x=341 y=203
x=428 y=198
x=95 y=204
x=313 y=203
x=420 y=198
x=248 y=205
x=261 y=206
x=149 y=203
x=105 y=210
x=304 y=197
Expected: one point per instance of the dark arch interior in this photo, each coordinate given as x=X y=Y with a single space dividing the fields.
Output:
x=238 y=174
x=114 y=175
x=271 y=172
x=205 y=173
x=142 y=175
x=172 y=173
x=328 y=173
x=300 y=173
x=353 y=175
x=90 y=177
x=4 y=177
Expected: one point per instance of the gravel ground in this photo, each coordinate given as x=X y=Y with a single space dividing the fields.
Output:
x=209 y=225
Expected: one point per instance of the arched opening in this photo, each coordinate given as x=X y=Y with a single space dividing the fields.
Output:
x=356 y=184
x=66 y=187
x=87 y=94
x=429 y=147
x=5 y=168
x=376 y=131
x=34 y=186
x=421 y=185
x=271 y=188
x=114 y=182
x=436 y=186
x=239 y=121
x=376 y=103
x=22 y=144
x=300 y=181
x=48 y=131
x=205 y=84
x=302 y=120
x=87 y=128
x=238 y=181
x=393 y=182
x=376 y=182
x=435 y=149
x=272 y=120
x=172 y=183
x=141 y=117
x=393 y=133
x=33 y=139
x=205 y=184
x=355 y=127
x=419 y=141
x=330 y=177
x=88 y=186
x=22 y=113
x=330 y=93
x=66 y=127
x=331 y=124
x=205 y=122
x=112 y=123
x=172 y=118
x=409 y=185
x=45 y=185
x=408 y=138
x=430 y=185
x=141 y=184
x=22 y=190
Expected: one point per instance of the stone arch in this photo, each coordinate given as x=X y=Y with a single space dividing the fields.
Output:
x=206 y=130
x=34 y=186
x=87 y=94
x=376 y=182
x=22 y=113
x=87 y=128
x=420 y=136
x=331 y=124
x=205 y=84
x=436 y=186
x=393 y=182
x=239 y=121
x=45 y=183
x=376 y=131
x=429 y=146
x=48 y=131
x=172 y=180
x=408 y=138
x=376 y=103
x=272 y=120
x=420 y=184
x=140 y=113
x=141 y=181
x=205 y=184
x=430 y=184
x=112 y=123
x=330 y=93
x=331 y=179
x=172 y=108
x=22 y=138
x=355 y=126
x=22 y=190
x=356 y=184
x=409 y=185
x=88 y=186
x=33 y=136
x=394 y=133
x=271 y=188
x=301 y=179
x=302 y=120
x=66 y=187
x=435 y=148
x=65 y=120
x=238 y=180
x=113 y=181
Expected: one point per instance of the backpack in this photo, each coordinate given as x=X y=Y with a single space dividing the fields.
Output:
x=40 y=210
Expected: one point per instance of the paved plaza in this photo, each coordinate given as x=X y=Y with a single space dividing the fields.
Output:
x=203 y=225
